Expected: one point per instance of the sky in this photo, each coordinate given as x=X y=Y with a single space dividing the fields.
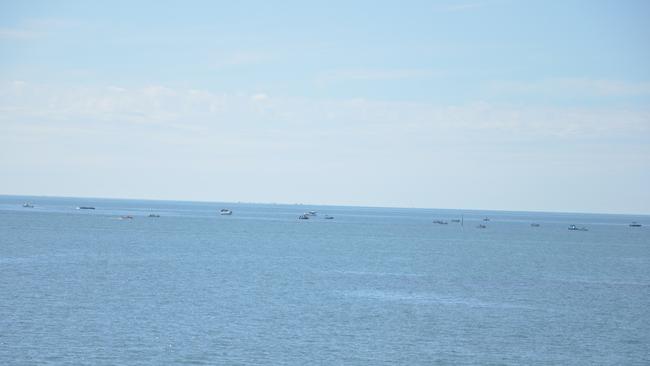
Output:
x=504 y=105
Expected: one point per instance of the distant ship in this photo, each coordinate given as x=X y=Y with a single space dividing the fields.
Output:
x=455 y=220
x=303 y=217
x=534 y=224
x=85 y=208
x=575 y=228
x=440 y=222
x=154 y=215
x=486 y=219
x=126 y=217
x=225 y=211
x=328 y=217
x=635 y=224
x=28 y=205
x=481 y=226
x=310 y=213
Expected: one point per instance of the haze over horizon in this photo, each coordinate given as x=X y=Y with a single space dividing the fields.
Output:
x=502 y=105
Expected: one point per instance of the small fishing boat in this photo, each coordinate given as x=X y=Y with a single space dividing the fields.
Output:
x=126 y=217
x=455 y=220
x=440 y=222
x=303 y=217
x=154 y=215
x=85 y=208
x=481 y=226
x=328 y=217
x=635 y=224
x=486 y=219
x=28 y=205
x=225 y=212
x=534 y=224
x=575 y=228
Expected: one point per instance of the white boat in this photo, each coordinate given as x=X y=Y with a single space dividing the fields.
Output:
x=310 y=213
x=303 y=217
x=575 y=228
x=225 y=211
x=28 y=205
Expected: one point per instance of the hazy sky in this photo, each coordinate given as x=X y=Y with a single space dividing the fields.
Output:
x=515 y=105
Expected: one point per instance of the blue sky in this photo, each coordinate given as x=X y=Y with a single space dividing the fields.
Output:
x=478 y=104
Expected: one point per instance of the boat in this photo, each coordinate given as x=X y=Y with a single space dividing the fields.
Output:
x=635 y=224
x=28 y=205
x=85 y=208
x=225 y=211
x=303 y=217
x=481 y=226
x=575 y=228
x=534 y=224
x=440 y=222
x=126 y=217
x=328 y=217
x=486 y=219
x=154 y=215
x=455 y=220
x=310 y=213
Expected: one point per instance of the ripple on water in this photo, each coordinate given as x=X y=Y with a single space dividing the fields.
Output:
x=430 y=298
x=376 y=274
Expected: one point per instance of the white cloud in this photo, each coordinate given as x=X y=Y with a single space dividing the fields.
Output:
x=191 y=139
x=259 y=97
x=116 y=89
x=50 y=23
x=574 y=86
x=18 y=34
x=240 y=58
x=373 y=75
x=30 y=29
x=214 y=113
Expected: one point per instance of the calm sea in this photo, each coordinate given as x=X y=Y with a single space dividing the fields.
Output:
x=373 y=286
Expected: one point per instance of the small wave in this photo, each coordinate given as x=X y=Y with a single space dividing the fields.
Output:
x=378 y=274
x=602 y=282
x=431 y=298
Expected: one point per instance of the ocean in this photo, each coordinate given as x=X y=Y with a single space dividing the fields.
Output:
x=373 y=286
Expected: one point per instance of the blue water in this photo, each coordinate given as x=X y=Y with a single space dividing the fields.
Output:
x=373 y=286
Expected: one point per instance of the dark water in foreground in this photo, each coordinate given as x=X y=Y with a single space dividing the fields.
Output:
x=373 y=286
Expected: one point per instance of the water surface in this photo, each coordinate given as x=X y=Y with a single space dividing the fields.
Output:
x=373 y=286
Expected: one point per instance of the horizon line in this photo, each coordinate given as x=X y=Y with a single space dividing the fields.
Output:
x=330 y=205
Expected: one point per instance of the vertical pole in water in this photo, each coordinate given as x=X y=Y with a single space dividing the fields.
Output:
x=462 y=221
